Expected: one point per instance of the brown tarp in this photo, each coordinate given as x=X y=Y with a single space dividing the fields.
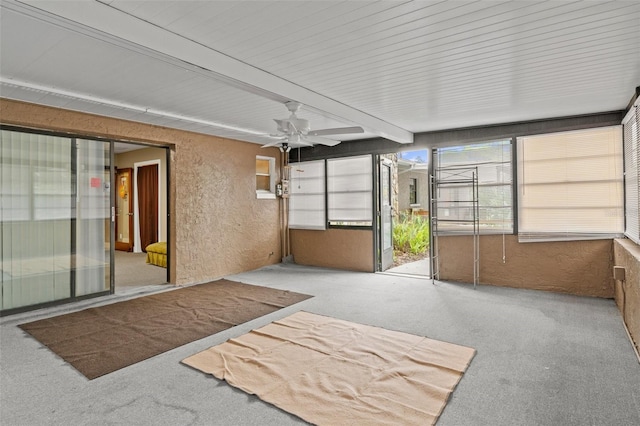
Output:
x=100 y=340
x=329 y=372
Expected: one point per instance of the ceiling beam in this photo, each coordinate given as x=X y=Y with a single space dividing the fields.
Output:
x=115 y=23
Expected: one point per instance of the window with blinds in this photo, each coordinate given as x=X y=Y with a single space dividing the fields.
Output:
x=307 y=195
x=350 y=191
x=631 y=126
x=570 y=185
x=495 y=194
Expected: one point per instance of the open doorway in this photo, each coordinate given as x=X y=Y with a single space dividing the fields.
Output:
x=410 y=212
x=140 y=216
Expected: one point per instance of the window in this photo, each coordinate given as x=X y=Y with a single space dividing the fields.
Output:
x=631 y=124
x=307 y=195
x=491 y=162
x=265 y=177
x=350 y=191
x=570 y=185
x=413 y=191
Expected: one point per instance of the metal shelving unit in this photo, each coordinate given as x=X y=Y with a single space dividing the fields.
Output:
x=455 y=216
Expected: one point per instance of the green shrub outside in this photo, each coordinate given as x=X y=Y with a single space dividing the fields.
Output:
x=411 y=234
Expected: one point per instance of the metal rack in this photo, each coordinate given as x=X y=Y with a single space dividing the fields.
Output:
x=466 y=212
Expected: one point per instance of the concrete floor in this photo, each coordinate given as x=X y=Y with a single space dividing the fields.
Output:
x=419 y=267
x=542 y=358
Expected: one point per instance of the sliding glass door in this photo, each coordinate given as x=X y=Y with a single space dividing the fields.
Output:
x=93 y=230
x=55 y=227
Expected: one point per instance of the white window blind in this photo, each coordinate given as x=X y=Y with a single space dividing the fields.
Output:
x=350 y=190
x=570 y=185
x=35 y=177
x=307 y=195
x=631 y=125
x=492 y=160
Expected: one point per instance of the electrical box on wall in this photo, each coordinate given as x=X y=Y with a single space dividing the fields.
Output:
x=282 y=189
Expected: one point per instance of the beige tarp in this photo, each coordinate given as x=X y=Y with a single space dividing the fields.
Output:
x=330 y=372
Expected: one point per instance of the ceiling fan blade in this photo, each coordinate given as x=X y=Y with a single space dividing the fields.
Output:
x=274 y=143
x=300 y=144
x=336 y=131
x=321 y=141
x=282 y=125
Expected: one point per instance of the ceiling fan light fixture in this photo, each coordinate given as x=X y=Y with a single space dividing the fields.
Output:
x=285 y=147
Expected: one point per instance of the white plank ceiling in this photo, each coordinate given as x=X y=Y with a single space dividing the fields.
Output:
x=393 y=67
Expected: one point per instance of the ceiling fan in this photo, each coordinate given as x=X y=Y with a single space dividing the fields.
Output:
x=295 y=132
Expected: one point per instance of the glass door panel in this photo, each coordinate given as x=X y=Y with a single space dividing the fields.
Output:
x=37 y=188
x=93 y=226
x=386 y=213
x=55 y=227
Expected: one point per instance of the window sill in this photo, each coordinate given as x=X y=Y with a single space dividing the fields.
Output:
x=264 y=195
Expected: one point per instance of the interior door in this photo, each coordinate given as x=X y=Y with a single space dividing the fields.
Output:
x=124 y=210
x=386 y=213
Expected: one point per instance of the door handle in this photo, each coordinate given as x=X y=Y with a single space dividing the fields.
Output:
x=129 y=214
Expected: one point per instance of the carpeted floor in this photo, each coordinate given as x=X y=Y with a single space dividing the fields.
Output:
x=132 y=270
x=333 y=372
x=542 y=358
x=100 y=340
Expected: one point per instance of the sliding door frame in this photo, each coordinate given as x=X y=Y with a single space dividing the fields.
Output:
x=111 y=216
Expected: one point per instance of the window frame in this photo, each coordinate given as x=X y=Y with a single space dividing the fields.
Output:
x=526 y=234
x=631 y=122
x=263 y=194
x=413 y=192
x=353 y=224
x=293 y=179
x=506 y=161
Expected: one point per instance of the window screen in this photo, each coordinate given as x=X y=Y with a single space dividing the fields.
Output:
x=631 y=125
x=350 y=191
x=570 y=185
x=307 y=195
x=455 y=197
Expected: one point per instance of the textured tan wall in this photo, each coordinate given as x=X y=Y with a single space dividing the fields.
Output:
x=574 y=267
x=217 y=225
x=350 y=249
x=128 y=159
x=627 y=254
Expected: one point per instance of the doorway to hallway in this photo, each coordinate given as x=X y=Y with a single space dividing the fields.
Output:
x=141 y=214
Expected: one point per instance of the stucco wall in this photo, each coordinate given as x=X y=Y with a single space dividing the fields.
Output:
x=350 y=249
x=627 y=254
x=574 y=267
x=217 y=225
